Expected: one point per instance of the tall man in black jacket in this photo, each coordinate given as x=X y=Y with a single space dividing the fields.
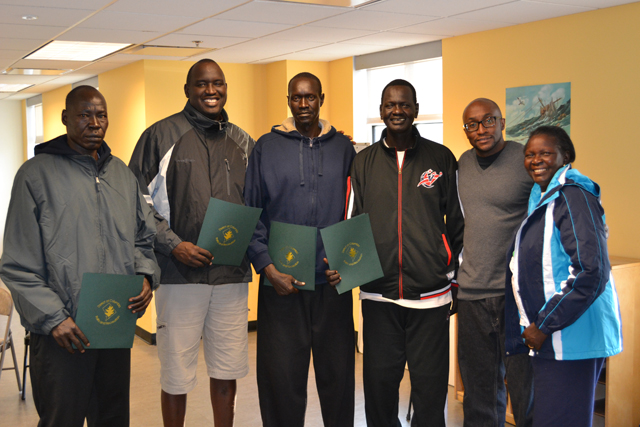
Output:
x=181 y=162
x=407 y=185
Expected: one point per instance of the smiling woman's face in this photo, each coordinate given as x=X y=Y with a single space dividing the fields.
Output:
x=542 y=159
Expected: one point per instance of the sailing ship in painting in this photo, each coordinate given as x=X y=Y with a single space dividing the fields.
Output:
x=529 y=107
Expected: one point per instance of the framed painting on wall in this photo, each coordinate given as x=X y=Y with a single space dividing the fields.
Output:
x=528 y=107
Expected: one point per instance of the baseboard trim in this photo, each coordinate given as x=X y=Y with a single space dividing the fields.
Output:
x=146 y=336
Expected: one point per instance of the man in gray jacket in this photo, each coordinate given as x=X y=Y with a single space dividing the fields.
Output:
x=494 y=189
x=181 y=162
x=75 y=209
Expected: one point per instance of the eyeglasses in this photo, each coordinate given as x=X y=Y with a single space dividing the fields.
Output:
x=487 y=122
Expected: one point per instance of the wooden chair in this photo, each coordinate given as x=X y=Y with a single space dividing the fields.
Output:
x=6 y=342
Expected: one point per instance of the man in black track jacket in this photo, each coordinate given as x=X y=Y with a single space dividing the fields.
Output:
x=407 y=185
x=181 y=162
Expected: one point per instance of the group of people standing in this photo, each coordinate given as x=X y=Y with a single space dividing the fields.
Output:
x=442 y=230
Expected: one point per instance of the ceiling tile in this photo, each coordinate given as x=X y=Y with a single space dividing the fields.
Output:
x=267 y=48
x=451 y=27
x=21 y=79
x=436 y=8
x=38 y=32
x=225 y=28
x=366 y=20
x=597 y=4
x=46 y=15
x=108 y=36
x=22 y=45
x=68 y=4
x=522 y=11
x=393 y=39
x=345 y=49
x=280 y=13
x=319 y=34
x=136 y=21
x=186 y=40
x=194 y=8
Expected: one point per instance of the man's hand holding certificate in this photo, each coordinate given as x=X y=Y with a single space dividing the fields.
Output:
x=351 y=253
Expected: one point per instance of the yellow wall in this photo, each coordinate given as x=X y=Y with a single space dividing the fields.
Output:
x=124 y=90
x=339 y=91
x=276 y=82
x=52 y=106
x=598 y=52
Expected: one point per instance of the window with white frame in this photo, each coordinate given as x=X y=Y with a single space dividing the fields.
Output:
x=425 y=76
x=35 y=133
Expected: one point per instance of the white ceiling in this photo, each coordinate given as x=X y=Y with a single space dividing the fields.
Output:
x=248 y=31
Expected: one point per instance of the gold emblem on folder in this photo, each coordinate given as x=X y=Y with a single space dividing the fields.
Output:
x=352 y=254
x=110 y=313
x=288 y=257
x=228 y=235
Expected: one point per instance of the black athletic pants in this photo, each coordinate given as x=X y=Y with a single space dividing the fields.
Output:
x=67 y=388
x=395 y=335
x=290 y=328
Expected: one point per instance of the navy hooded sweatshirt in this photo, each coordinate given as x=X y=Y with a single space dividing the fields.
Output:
x=297 y=180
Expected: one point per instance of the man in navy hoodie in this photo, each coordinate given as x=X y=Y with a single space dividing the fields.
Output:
x=297 y=174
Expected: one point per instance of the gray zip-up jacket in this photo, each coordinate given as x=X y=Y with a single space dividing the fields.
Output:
x=181 y=162
x=69 y=215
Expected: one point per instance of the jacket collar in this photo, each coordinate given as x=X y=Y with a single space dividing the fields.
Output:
x=288 y=128
x=566 y=175
x=202 y=122
x=59 y=146
x=392 y=151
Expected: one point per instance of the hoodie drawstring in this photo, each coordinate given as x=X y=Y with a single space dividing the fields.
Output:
x=320 y=160
x=301 y=165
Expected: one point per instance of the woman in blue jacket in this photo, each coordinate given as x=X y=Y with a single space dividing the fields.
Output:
x=561 y=299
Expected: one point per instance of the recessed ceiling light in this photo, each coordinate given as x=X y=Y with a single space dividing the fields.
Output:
x=37 y=71
x=29 y=17
x=12 y=88
x=75 y=51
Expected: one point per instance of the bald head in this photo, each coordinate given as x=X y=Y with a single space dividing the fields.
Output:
x=80 y=93
x=485 y=101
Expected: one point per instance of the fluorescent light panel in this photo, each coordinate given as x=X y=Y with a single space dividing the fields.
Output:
x=12 y=88
x=37 y=71
x=75 y=51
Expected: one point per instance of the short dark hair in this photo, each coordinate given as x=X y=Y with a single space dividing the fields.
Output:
x=400 y=82
x=563 y=141
x=199 y=62
x=75 y=93
x=305 y=75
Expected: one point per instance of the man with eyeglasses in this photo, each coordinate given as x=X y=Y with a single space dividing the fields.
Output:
x=494 y=191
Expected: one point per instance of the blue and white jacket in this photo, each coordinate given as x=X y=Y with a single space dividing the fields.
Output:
x=560 y=276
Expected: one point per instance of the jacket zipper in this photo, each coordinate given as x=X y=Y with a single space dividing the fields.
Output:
x=400 y=221
x=98 y=191
x=226 y=162
x=313 y=179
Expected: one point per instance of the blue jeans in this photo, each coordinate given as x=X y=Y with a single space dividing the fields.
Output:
x=483 y=366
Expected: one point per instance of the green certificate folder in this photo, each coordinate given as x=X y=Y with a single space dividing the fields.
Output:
x=227 y=230
x=102 y=314
x=352 y=251
x=292 y=249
